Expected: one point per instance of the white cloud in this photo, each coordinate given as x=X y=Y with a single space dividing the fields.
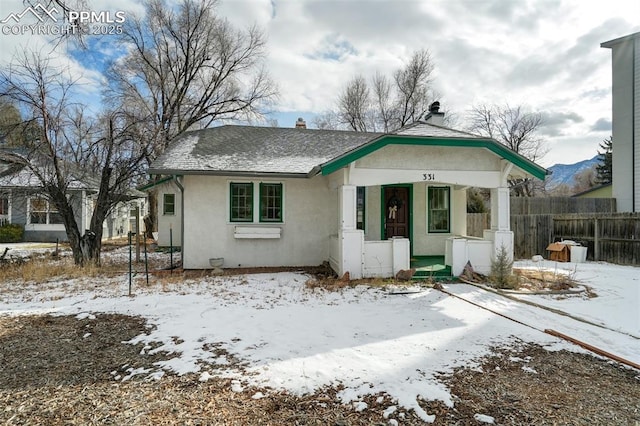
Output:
x=544 y=54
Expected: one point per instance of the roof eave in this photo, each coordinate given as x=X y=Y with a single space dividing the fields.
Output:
x=609 y=44
x=241 y=173
x=518 y=160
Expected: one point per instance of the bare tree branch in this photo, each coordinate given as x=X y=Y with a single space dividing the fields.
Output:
x=392 y=102
x=514 y=128
x=188 y=68
x=72 y=150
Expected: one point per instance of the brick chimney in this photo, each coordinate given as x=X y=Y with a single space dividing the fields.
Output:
x=434 y=116
x=301 y=124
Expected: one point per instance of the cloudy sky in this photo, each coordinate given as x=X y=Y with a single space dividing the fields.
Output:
x=542 y=54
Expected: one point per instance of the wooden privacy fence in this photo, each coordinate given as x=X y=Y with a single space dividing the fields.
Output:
x=610 y=237
x=613 y=237
x=561 y=205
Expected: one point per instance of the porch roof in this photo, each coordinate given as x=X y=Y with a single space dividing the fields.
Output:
x=444 y=137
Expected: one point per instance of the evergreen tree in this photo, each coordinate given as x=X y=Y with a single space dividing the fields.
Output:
x=605 y=167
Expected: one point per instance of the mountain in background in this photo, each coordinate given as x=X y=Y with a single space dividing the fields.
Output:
x=564 y=173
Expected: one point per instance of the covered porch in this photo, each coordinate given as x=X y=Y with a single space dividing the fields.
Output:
x=426 y=230
x=404 y=196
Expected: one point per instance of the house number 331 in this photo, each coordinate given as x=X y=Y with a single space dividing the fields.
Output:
x=429 y=176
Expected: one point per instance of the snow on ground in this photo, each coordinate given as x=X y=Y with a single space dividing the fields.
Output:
x=617 y=287
x=367 y=340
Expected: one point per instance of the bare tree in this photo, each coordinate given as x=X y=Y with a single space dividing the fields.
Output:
x=585 y=180
x=412 y=84
x=75 y=30
x=383 y=101
x=354 y=104
x=187 y=67
x=71 y=148
x=390 y=103
x=516 y=129
x=327 y=120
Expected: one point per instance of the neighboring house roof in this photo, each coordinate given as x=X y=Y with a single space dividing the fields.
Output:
x=611 y=43
x=249 y=150
x=24 y=178
x=600 y=191
x=15 y=174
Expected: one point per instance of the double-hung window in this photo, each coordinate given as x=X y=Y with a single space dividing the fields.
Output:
x=439 y=212
x=169 y=204
x=241 y=198
x=267 y=198
x=270 y=202
x=43 y=212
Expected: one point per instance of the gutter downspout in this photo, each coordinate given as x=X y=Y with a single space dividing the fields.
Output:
x=178 y=180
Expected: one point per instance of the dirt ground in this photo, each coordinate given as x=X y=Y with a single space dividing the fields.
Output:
x=52 y=373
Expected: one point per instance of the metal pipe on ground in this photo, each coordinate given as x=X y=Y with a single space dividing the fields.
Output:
x=554 y=333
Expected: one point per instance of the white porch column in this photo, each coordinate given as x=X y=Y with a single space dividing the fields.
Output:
x=500 y=209
x=500 y=232
x=351 y=240
x=347 y=206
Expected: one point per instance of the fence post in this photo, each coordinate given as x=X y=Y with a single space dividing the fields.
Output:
x=596 y=240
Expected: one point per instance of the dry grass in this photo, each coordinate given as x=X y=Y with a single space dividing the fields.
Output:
x=47 y=268
x=540 y=280
x=65 y=370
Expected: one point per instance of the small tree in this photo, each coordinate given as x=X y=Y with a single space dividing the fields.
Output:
x=604 y=169
x=502 y=270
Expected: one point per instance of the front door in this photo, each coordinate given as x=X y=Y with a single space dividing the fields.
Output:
x=396 y=211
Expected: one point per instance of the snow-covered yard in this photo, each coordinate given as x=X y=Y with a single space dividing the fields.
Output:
x=366 y=340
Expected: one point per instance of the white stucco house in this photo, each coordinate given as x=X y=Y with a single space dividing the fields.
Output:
x=625 y=54
x=369 y=203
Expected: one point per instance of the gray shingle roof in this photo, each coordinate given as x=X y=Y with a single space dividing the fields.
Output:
x=249 y=149
x=420 y=128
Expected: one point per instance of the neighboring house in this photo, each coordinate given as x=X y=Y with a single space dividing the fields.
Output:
x=369 y=203
x=122 y=219
x=23 y=202
x=169 y=200
x=600 y=191
x=625 y=53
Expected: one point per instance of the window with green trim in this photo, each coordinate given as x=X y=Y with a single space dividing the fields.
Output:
x=241 y=202
x=360 y=207
x=169 y=204
x=439 y=211
x=270 y=202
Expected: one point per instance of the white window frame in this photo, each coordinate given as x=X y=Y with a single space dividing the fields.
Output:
x=41 y=226
x=428 y=210
x=6 y=218
x=164 y=204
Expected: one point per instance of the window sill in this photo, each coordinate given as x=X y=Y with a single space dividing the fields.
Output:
x=44 y=227
x=254 y=232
